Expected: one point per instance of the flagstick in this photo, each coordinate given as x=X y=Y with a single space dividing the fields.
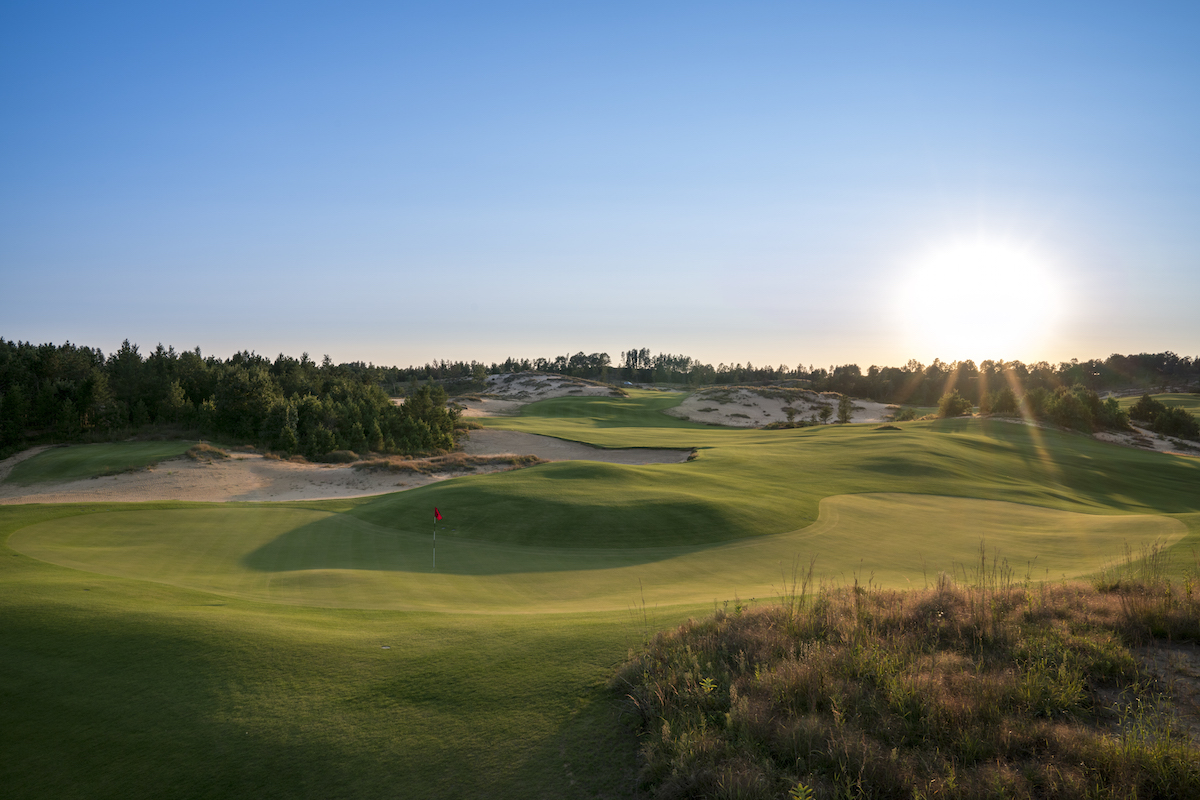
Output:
x=435 y=545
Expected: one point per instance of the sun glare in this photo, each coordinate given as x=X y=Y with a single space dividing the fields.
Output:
x=978 y=299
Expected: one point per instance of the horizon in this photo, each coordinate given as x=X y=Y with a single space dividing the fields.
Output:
x=615 y=361
x=401 y=185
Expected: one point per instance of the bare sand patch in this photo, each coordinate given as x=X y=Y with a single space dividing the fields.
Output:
x=751 y=407
x=242 y=477
x=505 y=394
x=1144 y=439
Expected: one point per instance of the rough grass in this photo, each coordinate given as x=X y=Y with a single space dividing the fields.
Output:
x=205 y=452
x=450 y=462
x=991 y=689
x=76 y=462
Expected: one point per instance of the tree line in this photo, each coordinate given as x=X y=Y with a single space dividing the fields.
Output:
x=913 y=383
x=296 y=406
x=1076 y=407
x=71 y=392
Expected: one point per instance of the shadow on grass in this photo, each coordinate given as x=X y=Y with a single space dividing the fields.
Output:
x=98 y=705
x=1074 y=467
x=340 y=543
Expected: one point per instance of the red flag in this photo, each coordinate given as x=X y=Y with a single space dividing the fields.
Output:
x=437 y=515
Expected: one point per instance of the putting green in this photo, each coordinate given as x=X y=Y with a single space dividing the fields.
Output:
x=299 y=556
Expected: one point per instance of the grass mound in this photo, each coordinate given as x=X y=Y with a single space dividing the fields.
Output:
x=205 y=452
x=375 y=553
x=993 y=690
x=451 y=462
x=93 y=461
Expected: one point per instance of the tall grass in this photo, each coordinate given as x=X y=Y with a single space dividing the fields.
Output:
x=981 y=688
x=450 y=462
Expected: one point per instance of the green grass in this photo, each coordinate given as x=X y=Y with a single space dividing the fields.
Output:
x=116 y=688
x=93 y=460
x=308 y=557
x=1190 y=402
x=642 y=409
x=222 y=650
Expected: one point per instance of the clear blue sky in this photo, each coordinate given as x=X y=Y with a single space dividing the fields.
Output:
x=397 y=183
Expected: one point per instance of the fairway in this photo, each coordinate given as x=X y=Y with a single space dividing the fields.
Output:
x=310 y=649
x=93 y=460
x=306 y=557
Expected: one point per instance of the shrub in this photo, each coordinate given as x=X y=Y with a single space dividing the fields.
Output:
x=1146 y=409
x=1001 y=401
x=1066 y=408
x=338 y=457
x=845 y=409
x=953 y=404
x=1178 y=422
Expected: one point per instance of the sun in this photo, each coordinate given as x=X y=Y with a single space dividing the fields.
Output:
x=978 y=299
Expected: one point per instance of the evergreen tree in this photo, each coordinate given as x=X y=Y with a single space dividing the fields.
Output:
x=845 y=409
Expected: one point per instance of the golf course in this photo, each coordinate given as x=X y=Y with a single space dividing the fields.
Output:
x=354 y=647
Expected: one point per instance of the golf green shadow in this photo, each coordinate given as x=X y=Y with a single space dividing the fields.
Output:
x=344 y=543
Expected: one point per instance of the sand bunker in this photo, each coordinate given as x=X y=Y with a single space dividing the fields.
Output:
x=243 y=476
x=738 y=407
x=749 y=407
x=505 y=394
x=253 y=478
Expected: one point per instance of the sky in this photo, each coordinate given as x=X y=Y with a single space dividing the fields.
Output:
x=779 y=183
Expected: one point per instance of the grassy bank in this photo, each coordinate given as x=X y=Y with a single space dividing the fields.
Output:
x=989 y=689
x=77 y=462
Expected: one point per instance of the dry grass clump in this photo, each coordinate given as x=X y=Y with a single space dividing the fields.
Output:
x=205 y=452
x=991 y=690
x=450 y=462
x=339 y=457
